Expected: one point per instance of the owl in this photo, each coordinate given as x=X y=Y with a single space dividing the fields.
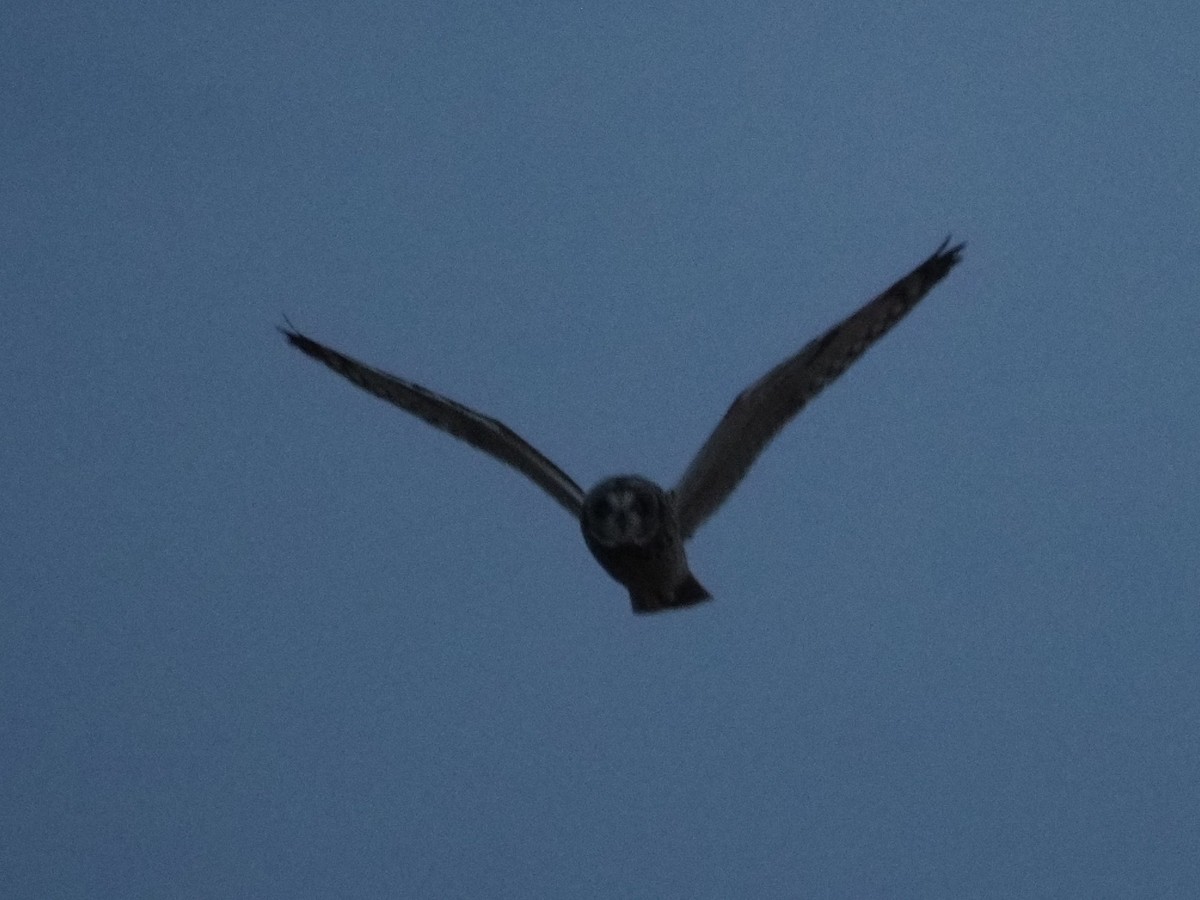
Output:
x=635 y=529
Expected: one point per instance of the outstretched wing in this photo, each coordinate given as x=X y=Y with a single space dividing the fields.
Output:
x=761 y=410
x=480 y=431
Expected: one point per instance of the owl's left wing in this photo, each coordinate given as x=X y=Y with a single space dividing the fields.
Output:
x=482 y=432
x=761 y=410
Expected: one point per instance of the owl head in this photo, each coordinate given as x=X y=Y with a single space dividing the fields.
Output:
x=624 y=510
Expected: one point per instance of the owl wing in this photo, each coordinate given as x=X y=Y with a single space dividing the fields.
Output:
x=480 y=431
x=760 y=411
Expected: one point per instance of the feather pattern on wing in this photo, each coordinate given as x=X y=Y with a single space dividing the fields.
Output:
x=760 y=411
x=482 y=432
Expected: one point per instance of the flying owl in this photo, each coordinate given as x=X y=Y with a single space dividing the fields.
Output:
x=634 y=528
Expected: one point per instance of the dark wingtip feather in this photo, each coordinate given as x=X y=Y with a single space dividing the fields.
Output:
x=944 y=258
x=299 y=341
x=950 y=254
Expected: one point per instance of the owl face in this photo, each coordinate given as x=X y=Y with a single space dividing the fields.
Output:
x=624 y=510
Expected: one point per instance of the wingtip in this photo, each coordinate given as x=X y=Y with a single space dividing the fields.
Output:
x=300 y=341
x=290 y=334
x=287 y=327
x=945 y=257
x=945 y=250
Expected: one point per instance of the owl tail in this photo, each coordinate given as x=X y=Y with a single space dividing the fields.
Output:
x=688 y=592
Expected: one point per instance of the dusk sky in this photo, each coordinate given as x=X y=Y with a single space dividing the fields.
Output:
x=262 y=635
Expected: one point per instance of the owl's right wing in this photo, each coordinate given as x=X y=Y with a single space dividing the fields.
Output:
x=761 y=410
x=480 y=431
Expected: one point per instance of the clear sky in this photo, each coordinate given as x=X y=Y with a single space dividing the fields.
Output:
x=262 y=635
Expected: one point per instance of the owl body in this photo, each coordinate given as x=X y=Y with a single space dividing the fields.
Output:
x=629 y=525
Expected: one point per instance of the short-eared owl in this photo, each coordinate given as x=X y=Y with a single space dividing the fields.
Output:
x=634 y=528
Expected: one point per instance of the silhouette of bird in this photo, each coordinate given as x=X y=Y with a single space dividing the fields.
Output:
x=634 y=528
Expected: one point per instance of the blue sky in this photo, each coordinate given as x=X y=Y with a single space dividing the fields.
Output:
x=262 y=635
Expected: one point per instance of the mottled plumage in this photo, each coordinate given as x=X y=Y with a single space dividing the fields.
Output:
x=634 y=528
